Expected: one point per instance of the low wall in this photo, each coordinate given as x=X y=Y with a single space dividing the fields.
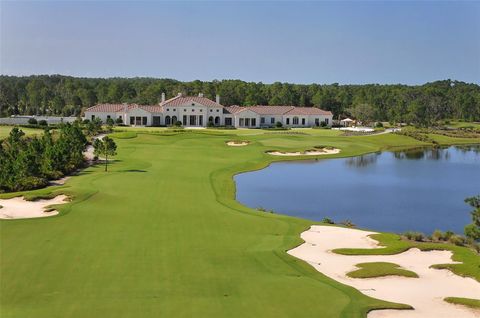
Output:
x=23 y=120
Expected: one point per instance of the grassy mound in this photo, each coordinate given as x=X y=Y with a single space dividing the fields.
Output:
x=380 y=269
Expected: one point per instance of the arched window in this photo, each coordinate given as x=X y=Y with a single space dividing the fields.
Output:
x=174 y=120
x=210 y=119
x=295 y=120
x=167 y=121
x=217 y=120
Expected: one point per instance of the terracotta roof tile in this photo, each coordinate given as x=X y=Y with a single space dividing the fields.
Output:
x=182 y=100
x=304 y=111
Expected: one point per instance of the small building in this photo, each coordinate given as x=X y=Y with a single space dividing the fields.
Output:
x=347 y=122
x=199 y=111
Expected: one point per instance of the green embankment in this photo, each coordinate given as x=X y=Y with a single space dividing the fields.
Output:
x=380 y=269
x=472 y=303
x=161 y=235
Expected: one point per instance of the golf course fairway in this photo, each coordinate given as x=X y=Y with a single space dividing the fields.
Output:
x=161 y=235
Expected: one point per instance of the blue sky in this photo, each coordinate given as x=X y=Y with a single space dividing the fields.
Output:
x=300 y=42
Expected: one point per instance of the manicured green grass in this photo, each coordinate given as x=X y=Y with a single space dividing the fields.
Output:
x=161 y=235
x=462 y=124
x=472 y=303
x=380 y=269
x=5 y=131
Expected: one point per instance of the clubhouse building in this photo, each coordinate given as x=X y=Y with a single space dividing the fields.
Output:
x=199 y=111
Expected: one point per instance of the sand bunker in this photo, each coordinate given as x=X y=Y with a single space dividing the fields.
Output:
x=19 y=208
x=425 y=293
x=315 y=152
x=237 y=143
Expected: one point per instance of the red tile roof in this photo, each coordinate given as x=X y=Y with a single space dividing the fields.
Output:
x=304 y=111
x=271 y=110
x=108 y=108
x=182 y=100
x=234 y=109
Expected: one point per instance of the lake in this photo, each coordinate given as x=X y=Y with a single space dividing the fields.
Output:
x=420 y=190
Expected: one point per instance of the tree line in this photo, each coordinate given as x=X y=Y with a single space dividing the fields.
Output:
x=29 y=162
x=423 y=105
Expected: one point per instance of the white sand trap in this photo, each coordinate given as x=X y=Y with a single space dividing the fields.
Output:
x=316 y=152
x=234 y=143
x=425 y=293
x=19 y=208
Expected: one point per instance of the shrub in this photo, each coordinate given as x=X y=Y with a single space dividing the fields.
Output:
x=178 y=123
x=348 y=223
x=414 y=236
x=438 y=236
x=379 y=125
x=32 y=121
x=210 y=124
x=327 y=221
x=118 y=121
x=110 y=122
x=86 y=121
x=43 y=122
x=457 y=240
x=323 y=124
x=278 y=124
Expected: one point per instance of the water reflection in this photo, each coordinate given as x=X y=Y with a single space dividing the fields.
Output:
x=362 y=161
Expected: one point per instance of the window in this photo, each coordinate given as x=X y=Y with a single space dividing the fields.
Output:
x=254 y=122
x=193 y=110
x=272 y=120
x=228 y=121
x=241 y=122
x=288 y=121
x=108 y=116
x=93 y=117
x=326 y=121
x=303 y=121
x=144 y=121
x=156 y=121
x=138 y=121
x=184 y=120
x=262 y=120
x=217 y=110
x=167 y=121
x=174 y=109
x=184 y=110
x=193 y=104
x=193 y=120
x=211 y=110
x=120 y=117
x=317 y=122
x=200 y=120
x=201 y=110
x=174 y=120
x=168 y=109
x=210 y=119
x=132 y=120
x=247 y=122
x=295 y=120
x=217 y=121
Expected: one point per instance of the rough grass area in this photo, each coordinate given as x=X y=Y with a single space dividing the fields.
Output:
x=380 y=269
x=161 y=235
x=124 y=135
x=472 y=303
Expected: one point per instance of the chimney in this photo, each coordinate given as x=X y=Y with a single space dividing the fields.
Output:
x=200 y=94
x=217 y=99
x=163 y=97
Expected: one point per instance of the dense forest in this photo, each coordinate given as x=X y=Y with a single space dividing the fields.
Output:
x=29 y=162
x=69 y=96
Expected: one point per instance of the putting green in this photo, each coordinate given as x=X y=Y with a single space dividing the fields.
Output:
x=160 y=235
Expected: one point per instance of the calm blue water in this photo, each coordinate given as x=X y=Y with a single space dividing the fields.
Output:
x=420 y=190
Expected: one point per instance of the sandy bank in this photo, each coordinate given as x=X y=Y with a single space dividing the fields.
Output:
x=316 y=152
x=234 y=143
x=425 y=293
x=19 y=208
